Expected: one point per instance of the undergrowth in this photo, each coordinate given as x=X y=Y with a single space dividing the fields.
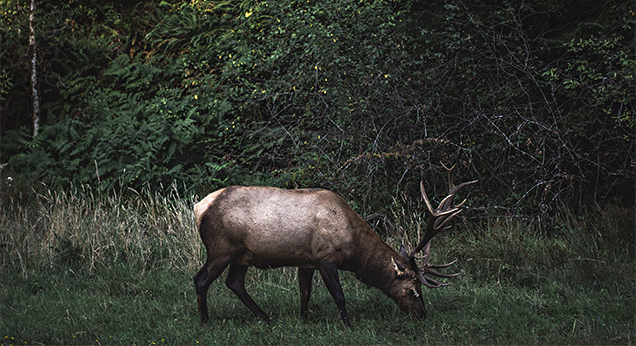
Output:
x=91 y=231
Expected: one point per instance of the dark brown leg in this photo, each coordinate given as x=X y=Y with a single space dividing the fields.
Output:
x=329 y=275
x=305 y=276
x=202 y=281
x=236 y=282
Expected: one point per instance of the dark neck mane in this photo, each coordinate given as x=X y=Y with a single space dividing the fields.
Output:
x=372 y=262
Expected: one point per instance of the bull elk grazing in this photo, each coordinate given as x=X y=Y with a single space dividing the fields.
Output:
x=311 y=229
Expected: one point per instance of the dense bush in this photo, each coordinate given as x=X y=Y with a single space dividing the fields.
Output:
x=534 y=99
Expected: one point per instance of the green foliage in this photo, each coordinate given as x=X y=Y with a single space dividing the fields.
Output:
x=534 y=99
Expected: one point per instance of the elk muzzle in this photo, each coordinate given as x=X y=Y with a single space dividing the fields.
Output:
x=413 y=303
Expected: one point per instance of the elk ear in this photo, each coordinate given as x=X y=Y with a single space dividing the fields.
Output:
x=403 y=252
x=399 y=269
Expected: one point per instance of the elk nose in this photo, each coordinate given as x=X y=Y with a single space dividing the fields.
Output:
x=421 y=310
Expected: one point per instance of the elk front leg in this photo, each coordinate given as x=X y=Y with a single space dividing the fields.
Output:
x=329 y=275
x=236 y=282
x=305 y=277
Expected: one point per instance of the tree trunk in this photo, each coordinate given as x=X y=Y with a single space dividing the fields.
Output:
x=34 y=84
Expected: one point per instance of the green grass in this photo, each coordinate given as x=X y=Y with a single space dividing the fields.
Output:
x=82 y=269
x=122 y=306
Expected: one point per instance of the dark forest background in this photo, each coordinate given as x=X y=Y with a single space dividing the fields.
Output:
x=366 y=98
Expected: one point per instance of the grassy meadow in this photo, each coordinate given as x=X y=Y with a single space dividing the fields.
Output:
x=81 y=267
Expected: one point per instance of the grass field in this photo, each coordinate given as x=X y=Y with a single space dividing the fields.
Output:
x=82 y=268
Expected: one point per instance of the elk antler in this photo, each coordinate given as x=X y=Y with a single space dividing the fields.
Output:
x=438 y=221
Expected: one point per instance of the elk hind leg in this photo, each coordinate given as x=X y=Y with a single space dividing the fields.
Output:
x=236 y=282
x=202 y=281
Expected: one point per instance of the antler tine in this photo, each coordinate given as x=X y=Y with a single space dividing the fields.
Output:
x=425 y=198
x=431 y=283
x=458 y=187
x=440 y=275
x=449 y=172
x=452 y=189
x=438 y=266
x=464 y=184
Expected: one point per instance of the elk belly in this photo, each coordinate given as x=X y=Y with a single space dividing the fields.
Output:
x=266 y=261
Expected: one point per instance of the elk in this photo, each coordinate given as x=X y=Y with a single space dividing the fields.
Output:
x=312 y=229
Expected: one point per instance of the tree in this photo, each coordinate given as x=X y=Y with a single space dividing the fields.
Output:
x=34 y=79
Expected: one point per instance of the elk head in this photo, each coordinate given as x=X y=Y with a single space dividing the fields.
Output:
x=438 y=221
